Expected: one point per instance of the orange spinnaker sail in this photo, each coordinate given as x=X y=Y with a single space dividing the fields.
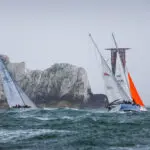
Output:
x=134 y=93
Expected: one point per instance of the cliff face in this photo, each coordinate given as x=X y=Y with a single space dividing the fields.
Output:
x=61 y=85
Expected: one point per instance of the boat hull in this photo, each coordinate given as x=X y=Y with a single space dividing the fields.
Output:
x=128 y=107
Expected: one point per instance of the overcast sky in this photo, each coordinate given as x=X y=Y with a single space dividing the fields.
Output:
x=44 y=32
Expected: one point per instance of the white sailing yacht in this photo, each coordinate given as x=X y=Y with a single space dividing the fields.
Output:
x=125 y=80
x=118 y=89
x=16 y=98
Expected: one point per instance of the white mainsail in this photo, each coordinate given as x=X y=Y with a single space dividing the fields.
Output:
x=121 y=76
x=114 y=90
x=121 y=72
x=14 y=94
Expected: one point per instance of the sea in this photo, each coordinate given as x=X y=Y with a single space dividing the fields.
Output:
x=73 y=129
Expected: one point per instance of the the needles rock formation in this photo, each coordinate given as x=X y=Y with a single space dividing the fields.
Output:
x=61 y=85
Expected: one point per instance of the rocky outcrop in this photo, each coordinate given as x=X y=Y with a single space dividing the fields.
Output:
x=96 y=101
x=61 y=85
x=59 y=82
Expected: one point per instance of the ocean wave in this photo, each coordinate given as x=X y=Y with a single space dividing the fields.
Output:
x=13 y=135
x=74 y=129
x=45 y=108
x=45 y=118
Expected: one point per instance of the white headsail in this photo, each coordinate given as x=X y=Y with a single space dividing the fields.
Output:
x=113 y=89
x=14 y=94
x=121 y=72
x=121 y=76
x=26 y=99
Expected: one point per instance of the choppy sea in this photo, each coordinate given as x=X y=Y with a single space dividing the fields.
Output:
x=73 y=129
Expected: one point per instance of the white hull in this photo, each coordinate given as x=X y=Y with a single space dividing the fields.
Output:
x=143 y=108
x=128 y=107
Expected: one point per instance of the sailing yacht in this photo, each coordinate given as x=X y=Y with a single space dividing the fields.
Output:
x=125 y=80
x=120 y=89
x=16 y=98
x=123 y=77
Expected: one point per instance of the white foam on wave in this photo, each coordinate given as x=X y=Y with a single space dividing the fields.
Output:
x=81 y=117
x=77 y=109
x=44 y=118
x=22 y=109
x=67 y=117
x=45 y=108
x=14 y=135
x=98 y=110
x=137 y=147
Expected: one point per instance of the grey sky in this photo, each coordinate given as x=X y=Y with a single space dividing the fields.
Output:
x=43 y=32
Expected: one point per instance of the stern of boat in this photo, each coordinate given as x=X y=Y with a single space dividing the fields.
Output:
x=143 y=108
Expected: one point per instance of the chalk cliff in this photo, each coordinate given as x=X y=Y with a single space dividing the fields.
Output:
x=61 y=85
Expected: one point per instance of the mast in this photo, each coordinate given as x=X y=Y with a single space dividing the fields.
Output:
x=121 y=57
x=94 y=44
x=113 y=89
x=122 y=53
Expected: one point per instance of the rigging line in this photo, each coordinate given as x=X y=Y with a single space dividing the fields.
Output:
x=107 y=66
x=115 y=41
x=97 y=59
x=95 y=50
x=114 y=101
x=94 y=44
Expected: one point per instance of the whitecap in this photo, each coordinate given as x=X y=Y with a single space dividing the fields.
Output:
x=67 y=117
x=45 y=108
x=44 y=118
x=13 y=135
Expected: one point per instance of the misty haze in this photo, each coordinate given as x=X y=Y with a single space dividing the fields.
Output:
x=74 y=74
